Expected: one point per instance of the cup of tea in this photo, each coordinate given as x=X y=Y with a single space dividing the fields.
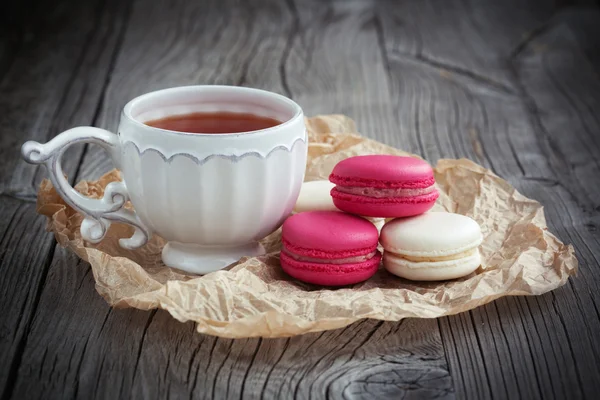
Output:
x=211 y=169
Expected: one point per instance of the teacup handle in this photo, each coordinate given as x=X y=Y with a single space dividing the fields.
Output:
x=98 y=213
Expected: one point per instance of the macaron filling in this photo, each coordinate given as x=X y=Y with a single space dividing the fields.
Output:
x=427 y=198
x=391 y=259
x=431 y=258
x=337 y=261
x=353 y=181
x=384 y=192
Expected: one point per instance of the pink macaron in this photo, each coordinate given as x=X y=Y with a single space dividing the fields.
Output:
x=383 y=186
x=329 y=248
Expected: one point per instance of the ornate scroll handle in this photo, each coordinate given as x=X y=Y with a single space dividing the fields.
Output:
x=98 y=212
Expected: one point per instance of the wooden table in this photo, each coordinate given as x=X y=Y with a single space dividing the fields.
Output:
x=513 y=85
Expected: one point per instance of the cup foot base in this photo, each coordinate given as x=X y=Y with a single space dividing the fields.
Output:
x=202 y=260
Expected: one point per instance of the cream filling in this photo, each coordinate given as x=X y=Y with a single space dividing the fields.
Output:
x=383 y=192
x=347 y=260
x=457 y=256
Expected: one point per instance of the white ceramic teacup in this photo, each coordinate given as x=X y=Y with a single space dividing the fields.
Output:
x=211 y=196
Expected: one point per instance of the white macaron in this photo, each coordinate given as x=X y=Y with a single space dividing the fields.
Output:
x=433 y=246
x=316 y=196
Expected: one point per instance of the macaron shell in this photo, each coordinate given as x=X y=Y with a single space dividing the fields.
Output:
x=314 y=232
x=314 y=196
x=431 y=234
x=382 y=210
x=330 y=274
x=383 y=171
x=431 y=271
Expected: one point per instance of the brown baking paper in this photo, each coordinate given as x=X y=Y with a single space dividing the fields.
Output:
x=256 y=298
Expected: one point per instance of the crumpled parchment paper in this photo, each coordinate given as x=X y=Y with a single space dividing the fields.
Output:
x=256 y=298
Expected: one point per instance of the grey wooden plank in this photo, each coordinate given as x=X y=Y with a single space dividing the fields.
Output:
x=352 y=362
x=443 y=112
x=562 y=90
x=77 y=343
x=493 y=353
x=546 y=345
x=254 y=45
x=472 y=38
x=335 y=65
x=12 y=16
x=54 y=82
x=92 y=351
x=25 y=250
x=571 y=312
x=469 y=38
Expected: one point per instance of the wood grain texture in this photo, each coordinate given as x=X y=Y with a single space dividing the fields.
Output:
x=335 y=64
x=504 y=134
x=492 y=352
x=46 y=87
x=512 y=85
x=25 y=250
x=84 y=350
x=92 y=350
x=54 y=82
x=12 y=17
x=545 y=69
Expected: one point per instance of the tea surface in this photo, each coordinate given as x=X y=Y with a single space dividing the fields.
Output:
x=214 y=122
